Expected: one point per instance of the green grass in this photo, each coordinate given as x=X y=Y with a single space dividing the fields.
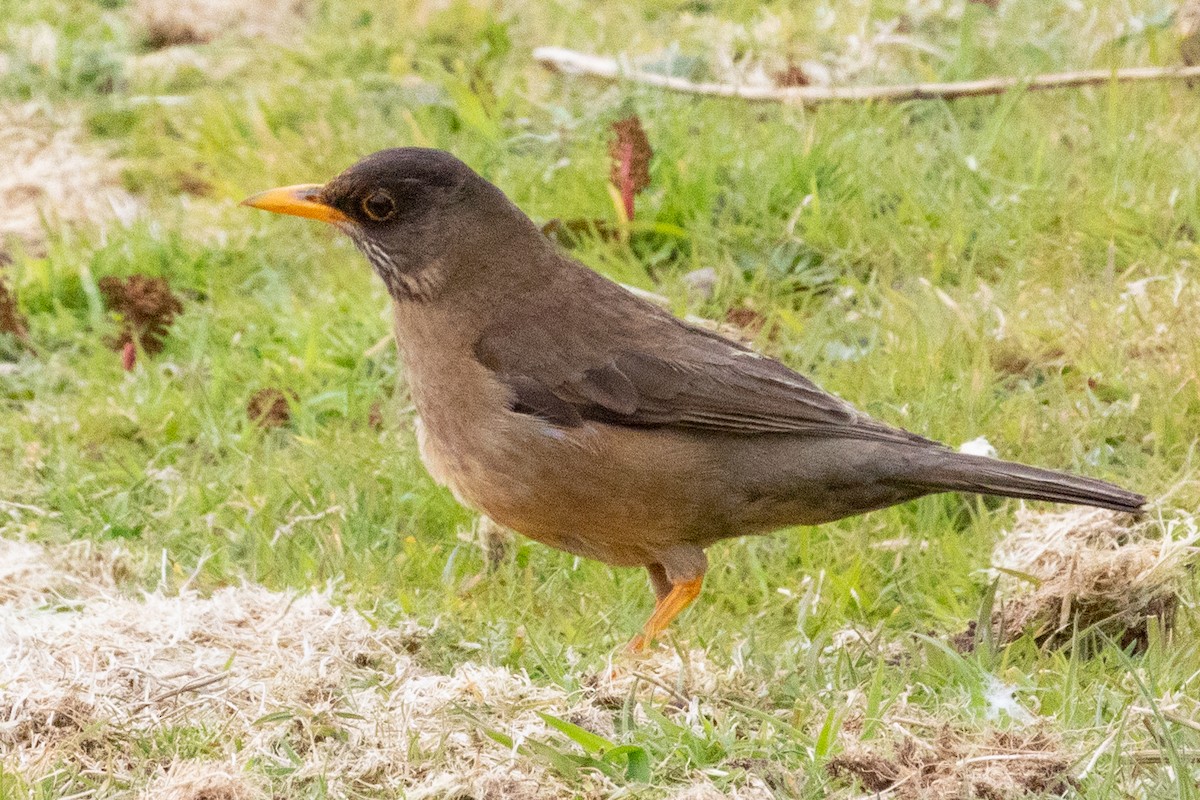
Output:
x=905 y=255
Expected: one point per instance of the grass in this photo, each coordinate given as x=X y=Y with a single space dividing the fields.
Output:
x=1020 y=267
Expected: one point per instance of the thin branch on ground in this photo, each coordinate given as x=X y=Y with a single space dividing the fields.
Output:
x=603 y=68
x=1161 y=757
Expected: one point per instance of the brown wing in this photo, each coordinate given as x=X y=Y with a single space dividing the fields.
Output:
x=624 y=361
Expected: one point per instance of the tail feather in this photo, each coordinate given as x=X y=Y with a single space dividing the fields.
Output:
x=951 y=471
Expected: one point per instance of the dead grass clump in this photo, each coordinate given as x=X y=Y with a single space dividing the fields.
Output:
x=201 y=781
x=201 y=21
x=24 y=571
x=297 y=688
x=34 y=721
x=1089 y=568
x=1018 y=359
x=145 y=307
x=876 y=773
x=500 y=783
x=663 y=675
x=276 y=674
x=952 y=763
x=50 y=174
x=270 y=407
x=31 y=577
x=570 y=233
x=755 y=790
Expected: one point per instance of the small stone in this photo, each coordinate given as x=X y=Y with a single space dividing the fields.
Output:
x=701 y=282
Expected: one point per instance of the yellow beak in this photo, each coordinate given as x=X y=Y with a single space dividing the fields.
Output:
x=303 y=200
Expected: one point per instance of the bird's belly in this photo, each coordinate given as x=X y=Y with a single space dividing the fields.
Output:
x=441 y=462
x=587 y=490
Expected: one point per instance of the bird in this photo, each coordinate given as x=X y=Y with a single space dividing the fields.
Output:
x=570 y=410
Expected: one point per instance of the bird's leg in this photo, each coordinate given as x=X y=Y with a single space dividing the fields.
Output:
x=676 y=576
x=659 y=582
x=667 y=609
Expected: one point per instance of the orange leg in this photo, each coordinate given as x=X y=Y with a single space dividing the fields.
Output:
x=666 y=609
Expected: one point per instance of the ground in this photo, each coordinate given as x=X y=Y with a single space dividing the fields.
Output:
x=225 y=573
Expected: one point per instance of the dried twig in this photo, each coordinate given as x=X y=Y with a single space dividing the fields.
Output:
x=1161 y=757
x=190 y=686
x=1170 y=716
x=13 y=506
x=683 y=699
x=286 y=528
x=570 y=62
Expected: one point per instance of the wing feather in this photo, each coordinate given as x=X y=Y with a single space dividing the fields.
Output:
x=624 y=361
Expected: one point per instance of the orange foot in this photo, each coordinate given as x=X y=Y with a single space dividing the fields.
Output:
x=668 y=608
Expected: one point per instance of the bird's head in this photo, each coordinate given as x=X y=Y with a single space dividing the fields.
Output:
x=412 y=211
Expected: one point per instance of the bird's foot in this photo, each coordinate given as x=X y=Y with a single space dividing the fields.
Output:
x=668 y=607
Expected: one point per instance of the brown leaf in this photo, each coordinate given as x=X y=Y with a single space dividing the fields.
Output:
x=146 y=307
x=270 y=407
x=793 y=75
x=569 y=232
x=746 y=319
x=128 y=356
x=375 y=415
x=193 y=183
x=630 y=152
x=12 y=321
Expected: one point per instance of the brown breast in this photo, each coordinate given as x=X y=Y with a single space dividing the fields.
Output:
x=615 y=494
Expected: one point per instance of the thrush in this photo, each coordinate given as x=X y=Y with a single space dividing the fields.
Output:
x=566 y=408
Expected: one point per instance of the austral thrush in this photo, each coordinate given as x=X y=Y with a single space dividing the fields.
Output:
x=566 y=408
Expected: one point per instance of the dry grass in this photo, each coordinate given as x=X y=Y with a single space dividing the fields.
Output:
x=31 y=577
x=25 y=572
x=666 y=675
x=82 y=684
x=275 y=673
x=1086 y=567
x=201 y=781
x=50 y=174
x=1187 y=24
x=754 y=790
x=947 y=762
x=909 y=754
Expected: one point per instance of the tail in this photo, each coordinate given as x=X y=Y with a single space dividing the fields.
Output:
x=947 y=471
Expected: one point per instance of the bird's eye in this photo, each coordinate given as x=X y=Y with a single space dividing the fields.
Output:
x=379 y=205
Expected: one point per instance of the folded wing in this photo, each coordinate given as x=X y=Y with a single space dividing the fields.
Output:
x=669 y=374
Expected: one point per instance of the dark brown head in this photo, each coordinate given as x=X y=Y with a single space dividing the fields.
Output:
x=418 y=215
